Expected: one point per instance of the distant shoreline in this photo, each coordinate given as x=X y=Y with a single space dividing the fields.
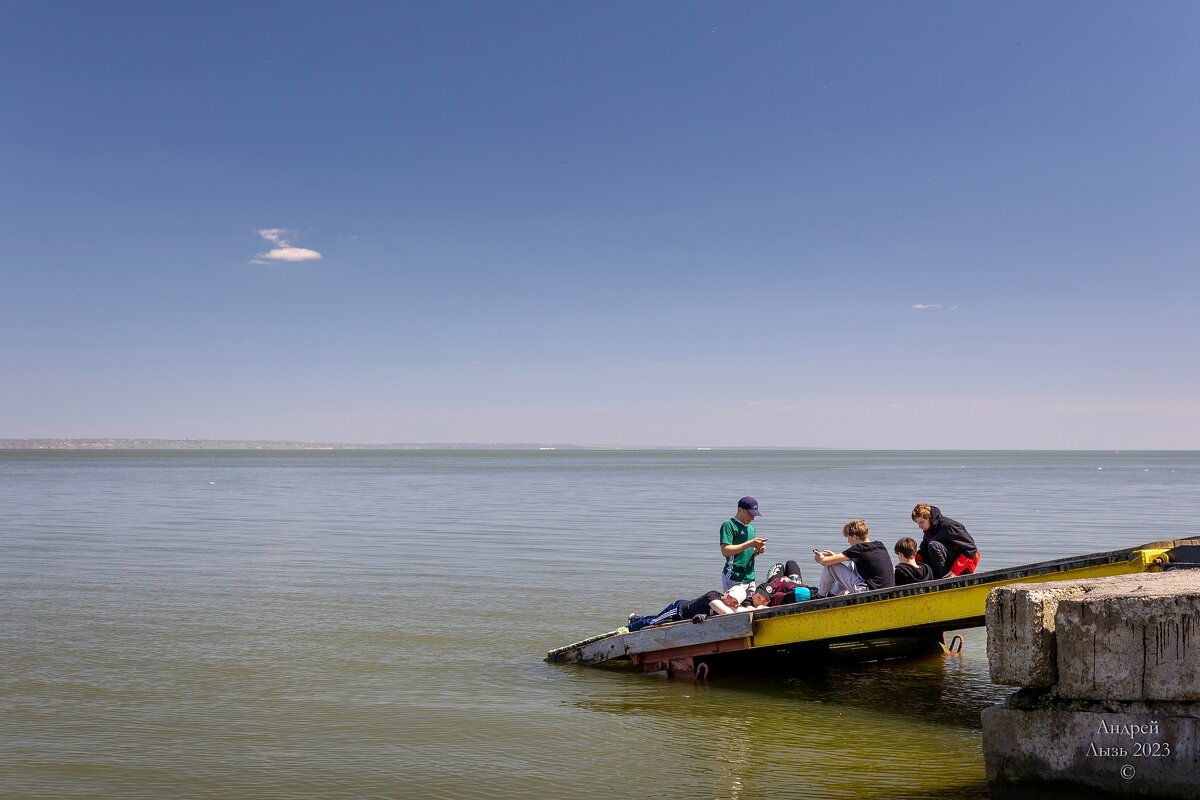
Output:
x=237 y=444
x=266 y=445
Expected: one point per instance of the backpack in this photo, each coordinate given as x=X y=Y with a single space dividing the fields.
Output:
x=783 y=590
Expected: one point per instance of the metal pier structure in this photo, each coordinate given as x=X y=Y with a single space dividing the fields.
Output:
x=872 y=625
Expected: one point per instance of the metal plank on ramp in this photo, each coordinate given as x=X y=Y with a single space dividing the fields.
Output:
x=660 y=637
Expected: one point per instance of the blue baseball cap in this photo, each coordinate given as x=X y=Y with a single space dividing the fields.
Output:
x=750 y=505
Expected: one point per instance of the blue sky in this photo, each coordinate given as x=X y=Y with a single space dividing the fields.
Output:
x=700 y=224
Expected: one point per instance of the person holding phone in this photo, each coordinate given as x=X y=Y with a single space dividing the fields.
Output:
x=863 y=566
x=740 y=544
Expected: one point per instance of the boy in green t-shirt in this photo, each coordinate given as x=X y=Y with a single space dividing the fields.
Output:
x=740 y=545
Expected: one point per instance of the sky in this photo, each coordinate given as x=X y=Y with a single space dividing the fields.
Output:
x=824 y=224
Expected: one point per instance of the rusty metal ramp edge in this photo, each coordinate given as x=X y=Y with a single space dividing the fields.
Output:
x=661 y=637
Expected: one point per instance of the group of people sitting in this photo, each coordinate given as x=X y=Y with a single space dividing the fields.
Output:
x=945 y=549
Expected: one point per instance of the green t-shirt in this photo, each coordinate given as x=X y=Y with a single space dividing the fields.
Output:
x=739 y=568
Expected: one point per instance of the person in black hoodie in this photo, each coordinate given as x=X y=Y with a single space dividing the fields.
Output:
x=945 y=546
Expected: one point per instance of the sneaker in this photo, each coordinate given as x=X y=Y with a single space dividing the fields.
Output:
x=775 y=570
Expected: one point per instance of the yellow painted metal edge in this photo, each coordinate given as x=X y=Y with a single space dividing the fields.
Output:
x=931 y=608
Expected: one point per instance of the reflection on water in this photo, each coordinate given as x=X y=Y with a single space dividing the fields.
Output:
x=308 y=626
x=900 y=728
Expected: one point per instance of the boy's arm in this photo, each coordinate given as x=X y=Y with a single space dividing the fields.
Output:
x=733 y=549
x=719 y=607
x=828 y=559
x=728 y=548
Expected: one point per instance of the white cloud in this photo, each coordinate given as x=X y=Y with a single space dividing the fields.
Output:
x=274 y=235
x=927 y=306
x=283 y=250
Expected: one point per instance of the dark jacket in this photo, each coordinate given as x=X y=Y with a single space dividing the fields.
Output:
x=906 y=574
x=950 y=533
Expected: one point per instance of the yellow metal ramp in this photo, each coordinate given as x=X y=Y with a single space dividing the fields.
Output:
x=922 y=609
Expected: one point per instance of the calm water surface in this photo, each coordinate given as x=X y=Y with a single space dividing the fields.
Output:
x=372 y=624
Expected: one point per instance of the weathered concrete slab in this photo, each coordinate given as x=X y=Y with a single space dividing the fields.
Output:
x=1020 y=632
x=1136 y=751
x=1133 y=637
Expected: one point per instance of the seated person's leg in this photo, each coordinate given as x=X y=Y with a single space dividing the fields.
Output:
x=847 y=575
x=938 y=560
x=826 y=584
x=963 y=565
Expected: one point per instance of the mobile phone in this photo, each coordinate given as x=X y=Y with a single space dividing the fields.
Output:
x=815 y=550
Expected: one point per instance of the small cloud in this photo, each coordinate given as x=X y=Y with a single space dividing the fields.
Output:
x=927 y=306
x=273 y=235
x=283 y=250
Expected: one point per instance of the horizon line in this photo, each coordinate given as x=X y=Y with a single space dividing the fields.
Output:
x=150 y=443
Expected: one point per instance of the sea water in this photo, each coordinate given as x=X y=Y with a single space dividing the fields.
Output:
x=373 y=624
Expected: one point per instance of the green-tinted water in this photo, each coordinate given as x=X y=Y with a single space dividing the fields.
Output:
x=373 y=624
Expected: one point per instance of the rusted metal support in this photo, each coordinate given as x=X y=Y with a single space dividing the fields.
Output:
x=681 y=661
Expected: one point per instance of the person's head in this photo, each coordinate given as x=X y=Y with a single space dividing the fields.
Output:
x=747 y=509
x=733 y=597
x=906 y=548
x=855 y=531
x=762 y=595
x=921 y=514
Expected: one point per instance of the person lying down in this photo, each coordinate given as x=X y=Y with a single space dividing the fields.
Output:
x=730 y=602
x=782 y=586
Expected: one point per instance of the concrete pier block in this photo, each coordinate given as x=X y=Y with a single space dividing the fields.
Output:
x=1112 y=667
x=1020 y=633
x=1138 y=750
x=1136 y=638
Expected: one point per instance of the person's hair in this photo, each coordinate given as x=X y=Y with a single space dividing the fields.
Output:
x=906 y=547
x=855 y=527
x=922 y=511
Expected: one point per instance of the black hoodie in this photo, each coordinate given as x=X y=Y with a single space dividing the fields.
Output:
x=950 y=533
